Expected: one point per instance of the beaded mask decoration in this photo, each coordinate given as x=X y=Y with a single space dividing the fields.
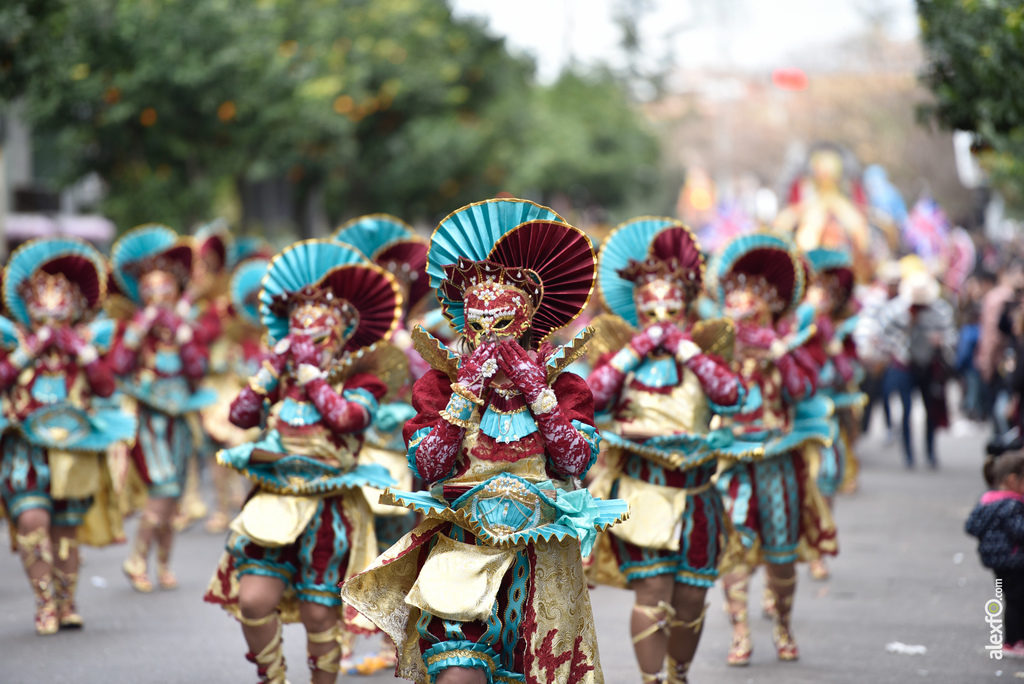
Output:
x=51 y=297
x=158 y=288
x=751 y=297
x=498 y=301
x=318 y=314
x=661 y=293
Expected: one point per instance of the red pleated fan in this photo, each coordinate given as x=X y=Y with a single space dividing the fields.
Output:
x=375 y=295
x=563 y=259
x=82 y=272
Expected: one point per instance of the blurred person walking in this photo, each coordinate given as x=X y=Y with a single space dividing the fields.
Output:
x=992 y=343
x=919 y=336
x=867 y=336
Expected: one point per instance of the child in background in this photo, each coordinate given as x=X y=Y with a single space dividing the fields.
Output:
x=998 y=523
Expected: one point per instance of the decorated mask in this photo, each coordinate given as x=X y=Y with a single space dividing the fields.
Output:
x=158 y=288
x=51 y=298
x=496 y=311
x=751 y=299
x=663 y=289
x=660 y=301
x=328 y=321
x=498 y=301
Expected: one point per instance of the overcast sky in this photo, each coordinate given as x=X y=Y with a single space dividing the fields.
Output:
x=753 y=34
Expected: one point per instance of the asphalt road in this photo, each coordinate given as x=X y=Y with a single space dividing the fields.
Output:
x=906 y=573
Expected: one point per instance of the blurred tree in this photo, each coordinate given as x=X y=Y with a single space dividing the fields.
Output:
x=976 y=58
x=351 y=105
x=29 y=33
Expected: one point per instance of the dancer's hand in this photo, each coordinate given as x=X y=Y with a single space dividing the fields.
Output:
x=304 y=351
x=478 y=369
x=522 y=369
x=645 y=342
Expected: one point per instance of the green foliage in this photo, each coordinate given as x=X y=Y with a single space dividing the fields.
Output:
x=382 y=105
x=976 y=60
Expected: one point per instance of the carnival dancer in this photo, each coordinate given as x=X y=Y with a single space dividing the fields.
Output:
x=831 y=294
x=53 y=473
x=205 y=305
x=159 y=358
x=773 y=501
x=393 y=245
x=225 y=286
x=490 y=586
x=661 y=380
x=306 y=525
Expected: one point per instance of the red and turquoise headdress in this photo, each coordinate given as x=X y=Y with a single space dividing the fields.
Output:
x=325 y=271
x=392 y=244
x=75 y=261
x=642 y=249
x=759 y=260
x=524 y=245
x=145 y=248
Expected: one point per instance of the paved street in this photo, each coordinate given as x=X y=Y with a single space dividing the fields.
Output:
x=906 y=573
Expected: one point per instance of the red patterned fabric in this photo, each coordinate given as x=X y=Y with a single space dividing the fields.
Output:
x=438 y=452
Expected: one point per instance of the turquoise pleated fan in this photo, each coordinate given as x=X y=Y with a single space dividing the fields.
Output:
x=829 y=259
x=630 y=241
x=33 y=254
x=245 y=247
x=138 y=243
x=373 y=233
x=473 y=230
x=244 y=282
x=304 y=263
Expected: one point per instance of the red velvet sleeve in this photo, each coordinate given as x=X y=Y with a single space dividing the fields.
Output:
x=798 y=382
x=567 y=450
x=8 y=373
x=436 y=453
x=207 y=327
x=341 y=415
x=121 y=357
x=247 y=408
x=193 y=359
x=720 y=383
x=100 y=378
x=605 y=382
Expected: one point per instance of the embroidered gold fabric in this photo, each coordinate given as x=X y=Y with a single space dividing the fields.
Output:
x=685 y=409
x=460 y=581
x=274 y=520
x=656 y=514
x=73 y=475
x=398 y=467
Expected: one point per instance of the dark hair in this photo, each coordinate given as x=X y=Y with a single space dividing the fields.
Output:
x=1011 y=463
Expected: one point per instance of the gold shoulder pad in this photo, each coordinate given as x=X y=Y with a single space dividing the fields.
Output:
x=715 y=336
x=611 y=334
x=435 y=352
x=382 y=359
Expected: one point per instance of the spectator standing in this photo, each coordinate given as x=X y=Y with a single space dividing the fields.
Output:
x=919 y=336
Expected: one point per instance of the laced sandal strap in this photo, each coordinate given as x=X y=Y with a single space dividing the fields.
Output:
x=676 y=672
x=270 y=661
x=328 y=662
x=65 y=547
x=35 y=545
x=693 y=625
x=780 y=582
x=661 y=614
x=658 y=678
x=257 y=622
